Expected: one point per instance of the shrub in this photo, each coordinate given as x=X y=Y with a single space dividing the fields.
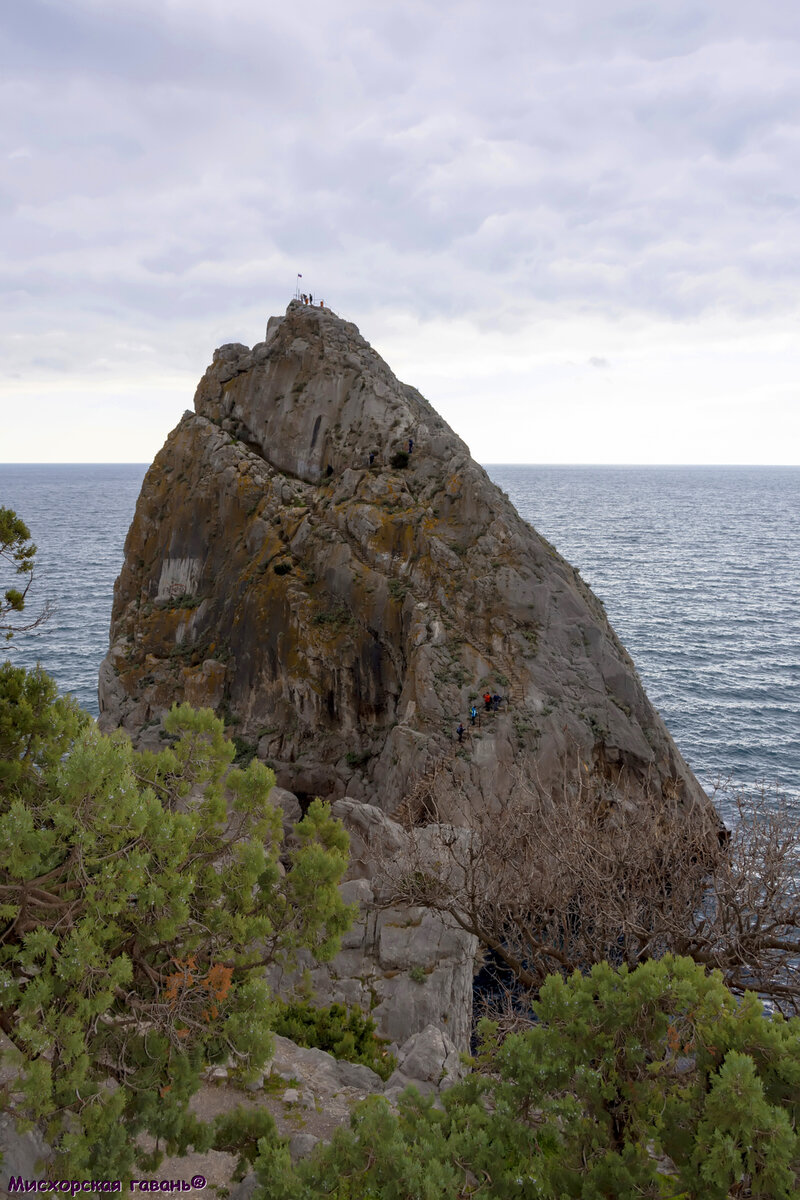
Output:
x=245 y=751
x=399 y=460
x=142 y=898
x=652 y=1082
x=344 y=1032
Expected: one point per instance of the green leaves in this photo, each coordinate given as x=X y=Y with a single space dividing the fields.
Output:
x=655 y=1082
x=16 y=549
x=345 y=1033
x=742 y=1136
x=17 y=552
x=142 y=897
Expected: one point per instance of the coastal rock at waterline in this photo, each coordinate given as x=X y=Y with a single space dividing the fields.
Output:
x=342 y=604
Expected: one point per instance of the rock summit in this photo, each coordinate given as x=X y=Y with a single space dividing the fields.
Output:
x=343 y=602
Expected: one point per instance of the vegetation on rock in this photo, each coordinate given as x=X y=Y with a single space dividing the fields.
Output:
x=141 y=898
x=559 y=883
x=656 y=1082
x=343 y=1032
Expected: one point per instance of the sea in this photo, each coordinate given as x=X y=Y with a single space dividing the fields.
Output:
x=698 y=568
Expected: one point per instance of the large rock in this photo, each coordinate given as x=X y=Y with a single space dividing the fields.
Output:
x=320 y=1074
x=343 y=616
x=26 y=1154
x=428 y=1057
x=408 y=967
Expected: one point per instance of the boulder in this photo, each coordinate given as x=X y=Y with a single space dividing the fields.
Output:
x=26 y=1154
x=427 y=1057
x=407 y=966
x=342 y=603
x=301 y=1145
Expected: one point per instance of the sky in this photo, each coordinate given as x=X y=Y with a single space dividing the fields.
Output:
x=573 y=226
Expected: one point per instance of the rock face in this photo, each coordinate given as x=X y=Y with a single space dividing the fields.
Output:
x=408 y=967
x=343 y=614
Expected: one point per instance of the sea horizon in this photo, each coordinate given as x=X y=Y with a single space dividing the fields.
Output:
x=483 y=463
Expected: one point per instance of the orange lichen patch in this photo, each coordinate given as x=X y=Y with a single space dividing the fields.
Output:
x=161 y=626
x=167 y=688
x=394 y=536
x=204 y=685
x=134 y=672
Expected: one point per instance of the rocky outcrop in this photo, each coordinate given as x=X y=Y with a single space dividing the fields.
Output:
x=342 y=603
x=343 y=608
x=429 y=1061
x=406 y=966
x=310 y=1094
x=23 y=1153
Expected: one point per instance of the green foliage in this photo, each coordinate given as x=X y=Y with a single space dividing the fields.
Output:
x=186 y=600
x=355 y=759
x=37 y=727
x=339 y=617
x=399 y=460
x=141 y=898
x=245 y=751
x=656 y=1082
x=18 y=552
x=344 y=1033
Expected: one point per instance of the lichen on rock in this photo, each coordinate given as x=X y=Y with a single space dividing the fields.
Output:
x=343 y=614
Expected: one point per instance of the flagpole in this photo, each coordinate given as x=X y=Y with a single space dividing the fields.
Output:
x=297 y=287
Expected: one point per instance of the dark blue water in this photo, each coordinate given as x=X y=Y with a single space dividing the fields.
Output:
x=698 y=568
x=78 y=516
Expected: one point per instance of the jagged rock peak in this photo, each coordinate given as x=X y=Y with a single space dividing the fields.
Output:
x=314 y=399
x=344 y=614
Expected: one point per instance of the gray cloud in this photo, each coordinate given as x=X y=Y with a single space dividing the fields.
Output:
x=170 y=168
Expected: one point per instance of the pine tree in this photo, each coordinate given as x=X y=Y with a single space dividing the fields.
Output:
x=654 y=1082
x=18 y=551
x=141 y=899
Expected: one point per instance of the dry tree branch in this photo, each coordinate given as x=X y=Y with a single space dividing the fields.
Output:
x=609 y=873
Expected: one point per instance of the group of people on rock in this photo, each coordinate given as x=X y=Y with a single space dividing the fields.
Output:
x=310 y=300
x=491 y=703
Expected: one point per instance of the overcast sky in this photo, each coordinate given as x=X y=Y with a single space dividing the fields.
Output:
x=573 y=226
